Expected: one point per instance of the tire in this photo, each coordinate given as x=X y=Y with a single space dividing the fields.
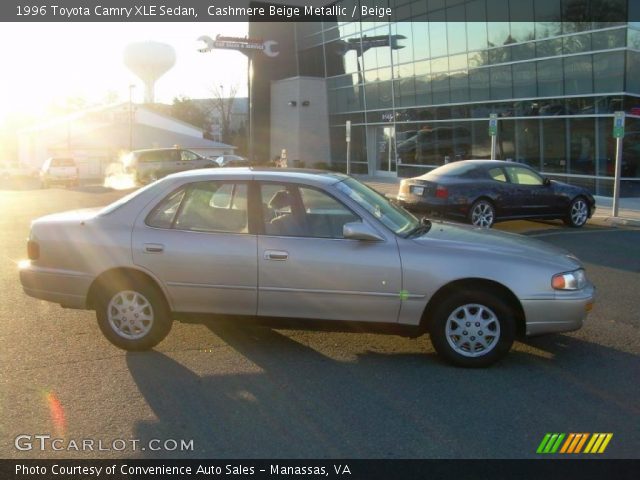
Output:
x=134 y=315
x=578 y=213
x=482 y=214
x=473 y=329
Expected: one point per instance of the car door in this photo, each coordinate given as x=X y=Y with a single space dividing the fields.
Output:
x=533 y=197
x=306 y=269
x=196 y=241
x=190 y=160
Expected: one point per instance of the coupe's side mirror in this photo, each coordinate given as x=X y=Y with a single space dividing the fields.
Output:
x=546 y=182
x=360 y=231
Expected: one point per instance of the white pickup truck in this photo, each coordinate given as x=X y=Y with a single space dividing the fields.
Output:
x=59 y=170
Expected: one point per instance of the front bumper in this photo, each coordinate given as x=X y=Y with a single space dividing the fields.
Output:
x=565 y=313
x=67 y=288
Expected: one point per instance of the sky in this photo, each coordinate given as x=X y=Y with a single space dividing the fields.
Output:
x=45 y=63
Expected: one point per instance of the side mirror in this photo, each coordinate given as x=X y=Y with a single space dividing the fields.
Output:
x=546 y=182
x=360 y=231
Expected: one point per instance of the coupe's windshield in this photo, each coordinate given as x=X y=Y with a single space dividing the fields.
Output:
x=394 y=218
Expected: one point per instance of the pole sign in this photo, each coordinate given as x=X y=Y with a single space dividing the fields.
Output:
x=493 y=124
x=241 y=44
x=618 y=125
x=348 y=130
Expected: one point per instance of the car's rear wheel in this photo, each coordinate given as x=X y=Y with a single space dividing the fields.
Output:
x=133 y=315
x=578 y=213
x=482 y=214
x=473 y=329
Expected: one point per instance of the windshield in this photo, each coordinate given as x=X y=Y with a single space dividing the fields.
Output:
x=396 y=219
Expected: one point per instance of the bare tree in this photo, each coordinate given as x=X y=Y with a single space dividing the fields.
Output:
x=222 y=102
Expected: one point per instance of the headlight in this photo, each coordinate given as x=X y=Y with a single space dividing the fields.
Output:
x=569 y=280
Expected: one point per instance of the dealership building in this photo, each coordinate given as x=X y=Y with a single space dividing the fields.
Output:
x=419 y=90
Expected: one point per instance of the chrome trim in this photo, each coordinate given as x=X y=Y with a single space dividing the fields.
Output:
x=206 y=285
x=340 y=292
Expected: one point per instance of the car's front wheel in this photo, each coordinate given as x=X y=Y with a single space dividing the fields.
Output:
x=473 y=329
x=578 y=213
x=482 y=214
x=133 y=316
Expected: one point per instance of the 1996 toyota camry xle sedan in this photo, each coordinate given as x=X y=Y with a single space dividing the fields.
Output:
x=317 y=247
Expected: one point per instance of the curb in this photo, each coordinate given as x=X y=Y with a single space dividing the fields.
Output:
x=619 y=221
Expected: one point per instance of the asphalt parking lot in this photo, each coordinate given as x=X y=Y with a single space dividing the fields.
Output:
x=249 y=392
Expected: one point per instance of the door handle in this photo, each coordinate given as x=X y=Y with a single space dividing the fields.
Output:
x=275 y=255
x=153 y=248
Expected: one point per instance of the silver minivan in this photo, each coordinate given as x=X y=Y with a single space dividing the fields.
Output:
x=152 y=164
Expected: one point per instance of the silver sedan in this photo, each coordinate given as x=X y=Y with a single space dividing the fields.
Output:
x=317 y=247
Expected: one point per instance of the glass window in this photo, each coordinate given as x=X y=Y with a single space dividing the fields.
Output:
x=609 y=39
x=501 y=82
x=554 y=154
x=497 y=174
x=524 y=80
x=521 y=16
x=549 y=48
x=214 y=207
x=578 y=75
x=457 y=33
x=420 y=41
x=633 y=72
x=162 y=216
x=523 y=176
x=188 y=156
x=479 y=84
x=577 y=43
x=440 y=88
x=550 y=81
x=324 y=216
x=396 y=219
x=437 y=38
x=459 y=84
x=528 y=142
x=476 y=26
x=525 y=51
x=608 y=72
x=548 y=18
x=582 y=149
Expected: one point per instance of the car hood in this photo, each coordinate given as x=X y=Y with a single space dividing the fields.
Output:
x=72 y=216
x=469 y=238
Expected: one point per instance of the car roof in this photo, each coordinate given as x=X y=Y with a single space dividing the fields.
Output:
x=263 y=173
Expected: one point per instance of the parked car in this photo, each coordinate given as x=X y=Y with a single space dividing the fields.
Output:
x=59 y=171
x=151 y=164
x=231 y=161
x=10 y=170
x=485 y=191
x=316 y=246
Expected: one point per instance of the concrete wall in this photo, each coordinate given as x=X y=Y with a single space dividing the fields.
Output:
x=300 y=120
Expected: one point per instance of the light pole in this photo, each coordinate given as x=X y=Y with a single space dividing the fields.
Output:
x=222 y=113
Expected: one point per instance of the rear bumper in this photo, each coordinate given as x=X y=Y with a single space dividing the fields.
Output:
x=69 y=289
x=415 y=202
x=565 y=313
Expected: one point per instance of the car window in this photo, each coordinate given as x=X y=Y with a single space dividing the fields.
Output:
x=63 y=162
x=187 y=156
x=214 y=207
x=524 y=176
x=394 y=218
x=497 y=174
x=162 y=216
x=302 y=212
x=324 y=215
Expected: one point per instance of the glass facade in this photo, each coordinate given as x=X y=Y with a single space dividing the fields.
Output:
x=419 y=90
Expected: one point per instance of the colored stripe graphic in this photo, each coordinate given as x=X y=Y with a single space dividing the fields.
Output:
x=574 y=443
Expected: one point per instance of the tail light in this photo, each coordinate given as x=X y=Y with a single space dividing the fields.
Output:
x=33 y=250
x=404 y=187
x=442 y=192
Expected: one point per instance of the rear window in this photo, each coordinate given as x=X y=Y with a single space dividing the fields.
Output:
x=63 y=162
x=455 y=170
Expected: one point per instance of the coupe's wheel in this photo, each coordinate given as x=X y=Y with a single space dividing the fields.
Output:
x=578 y=213
x=482 y=214
x=472 y=329
x=133 y=316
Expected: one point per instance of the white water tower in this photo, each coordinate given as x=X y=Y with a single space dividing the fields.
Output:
x=149 y=61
